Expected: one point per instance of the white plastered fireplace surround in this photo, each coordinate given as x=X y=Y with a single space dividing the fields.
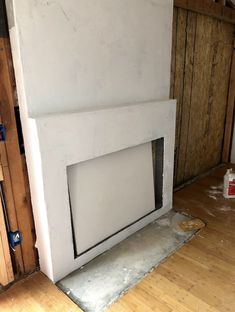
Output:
x=93 y=133
x=73 y=105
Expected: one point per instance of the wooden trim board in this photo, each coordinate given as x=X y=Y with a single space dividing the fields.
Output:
x=208 y=7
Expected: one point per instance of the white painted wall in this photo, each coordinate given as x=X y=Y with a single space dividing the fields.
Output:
x=78 y=53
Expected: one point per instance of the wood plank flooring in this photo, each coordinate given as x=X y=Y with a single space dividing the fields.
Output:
x=199 y=277
x=36 y=294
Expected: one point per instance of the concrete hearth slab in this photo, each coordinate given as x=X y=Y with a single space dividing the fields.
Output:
x=103 y=280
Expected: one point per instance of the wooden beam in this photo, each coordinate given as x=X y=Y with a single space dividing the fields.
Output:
x=208 y=7
x=230 y=113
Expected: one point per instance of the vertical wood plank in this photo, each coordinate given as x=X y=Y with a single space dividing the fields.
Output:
x=173 y=52
x=7 y=185
x=11 y=211
x=187 y=94
x=6 y=271
x=200 y=93
x=22 y=209
x=28 y=196
x=223 y=48
x=179 y=73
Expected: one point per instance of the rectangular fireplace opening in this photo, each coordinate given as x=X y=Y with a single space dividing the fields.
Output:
x=109 y=194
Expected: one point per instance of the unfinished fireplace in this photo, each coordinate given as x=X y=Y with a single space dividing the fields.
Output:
x=93 y=81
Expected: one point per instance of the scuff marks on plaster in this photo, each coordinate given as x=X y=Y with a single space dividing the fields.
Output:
x=67 y=17
x=152 y=2
x=63 y=11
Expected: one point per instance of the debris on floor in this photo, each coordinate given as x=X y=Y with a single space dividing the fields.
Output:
x=215 y=192
x=223 y=205
x=190 y=225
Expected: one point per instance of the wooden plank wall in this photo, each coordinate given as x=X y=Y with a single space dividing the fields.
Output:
x=200 y=74
x=15 y=190
x=14 y=185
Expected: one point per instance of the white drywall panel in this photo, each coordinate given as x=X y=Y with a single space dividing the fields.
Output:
x=109 y=193
x=78 y=54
